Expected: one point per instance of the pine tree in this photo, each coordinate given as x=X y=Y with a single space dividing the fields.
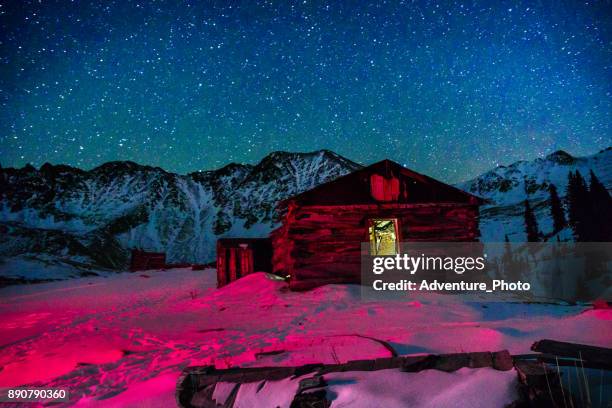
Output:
x=531 y=225
x=556 y=210
x=507 y=247
x=507 y=258
x=570 y=199
x=578 y=206
x=600 y=211
x=597 y=189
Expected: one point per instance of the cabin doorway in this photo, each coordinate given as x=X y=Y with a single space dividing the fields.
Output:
x=384 y=236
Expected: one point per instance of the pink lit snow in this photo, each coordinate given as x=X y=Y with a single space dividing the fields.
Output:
x=122 y=340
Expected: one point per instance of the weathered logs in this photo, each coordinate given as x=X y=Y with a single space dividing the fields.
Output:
x=599 y=355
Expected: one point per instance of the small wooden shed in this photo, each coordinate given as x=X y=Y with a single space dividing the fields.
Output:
x=319 y=241
x=238 y=257
x=144 y=260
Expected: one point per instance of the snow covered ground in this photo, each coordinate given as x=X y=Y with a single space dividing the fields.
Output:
x=388 y=388
x=121 y=340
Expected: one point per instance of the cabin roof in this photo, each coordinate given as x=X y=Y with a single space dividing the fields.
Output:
x=354 y=188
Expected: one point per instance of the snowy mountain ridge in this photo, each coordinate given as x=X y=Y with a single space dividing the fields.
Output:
x=79 y=219
x=507 y=184
x=76 y=220
x=507 y=187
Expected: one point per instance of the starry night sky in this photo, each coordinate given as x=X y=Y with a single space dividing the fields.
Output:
x=449 y=89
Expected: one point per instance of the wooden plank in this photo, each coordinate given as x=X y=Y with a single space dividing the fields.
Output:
x=559 y=360
x=324 y=249
x=330 y=259
x=599 y=355
x=221 y=267
x=341 y=219
x=232 y=264
x=350 y=273
x=246 y=261
x=384 y=206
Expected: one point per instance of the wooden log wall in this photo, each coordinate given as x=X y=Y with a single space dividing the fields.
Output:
x=282 y=261
x=322 y=244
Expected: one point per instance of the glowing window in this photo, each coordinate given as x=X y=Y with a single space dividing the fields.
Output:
x=384 y=237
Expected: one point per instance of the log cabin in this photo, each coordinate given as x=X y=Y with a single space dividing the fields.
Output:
x=319 y=240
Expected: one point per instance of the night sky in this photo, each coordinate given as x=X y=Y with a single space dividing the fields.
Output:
x=450 y=89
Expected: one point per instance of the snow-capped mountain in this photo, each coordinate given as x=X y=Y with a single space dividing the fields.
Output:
x=75 y=219
x=506 y=188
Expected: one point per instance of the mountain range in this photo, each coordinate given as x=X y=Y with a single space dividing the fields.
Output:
x=507 y=187
x=76 y=222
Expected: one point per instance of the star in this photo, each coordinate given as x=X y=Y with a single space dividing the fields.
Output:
x=450 y=89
